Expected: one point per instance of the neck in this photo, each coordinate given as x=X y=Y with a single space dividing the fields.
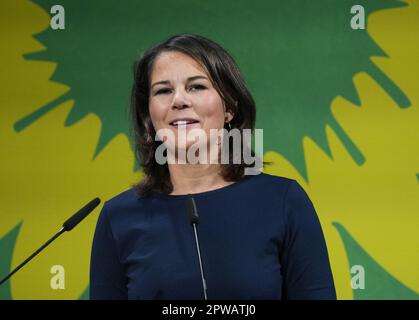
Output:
x=195 y=178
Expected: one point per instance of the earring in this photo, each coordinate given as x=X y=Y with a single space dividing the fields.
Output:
x=229 y=126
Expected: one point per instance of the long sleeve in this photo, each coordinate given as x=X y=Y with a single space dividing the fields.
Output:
x=304 y=258
x=107 y=277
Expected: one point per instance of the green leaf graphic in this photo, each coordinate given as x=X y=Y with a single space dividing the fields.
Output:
x=7 y=245
x=85 y=294
x=296 y=56
x=379 y=284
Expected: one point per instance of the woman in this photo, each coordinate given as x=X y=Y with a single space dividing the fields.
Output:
x=259 y=235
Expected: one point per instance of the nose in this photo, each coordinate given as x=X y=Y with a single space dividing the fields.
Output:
x=180 y=100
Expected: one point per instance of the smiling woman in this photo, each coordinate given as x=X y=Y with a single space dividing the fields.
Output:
x=260 y=237
x=187 y=78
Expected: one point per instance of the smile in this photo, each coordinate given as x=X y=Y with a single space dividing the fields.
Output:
x=183 y=123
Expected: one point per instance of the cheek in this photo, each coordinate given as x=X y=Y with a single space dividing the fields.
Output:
x=212 y=111
x=157 y=113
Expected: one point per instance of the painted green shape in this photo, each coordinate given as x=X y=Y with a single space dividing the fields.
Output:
x=379 y=284
x=7 y=245
x=296 y=56
x=85 y=294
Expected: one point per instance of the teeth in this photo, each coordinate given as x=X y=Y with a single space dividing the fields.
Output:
x=182 y=122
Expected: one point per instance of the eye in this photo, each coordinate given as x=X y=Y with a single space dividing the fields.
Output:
x=163 y=91
x=197 y=87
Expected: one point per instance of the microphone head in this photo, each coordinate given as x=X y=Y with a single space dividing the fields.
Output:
x=75 y=219
x=192 y=211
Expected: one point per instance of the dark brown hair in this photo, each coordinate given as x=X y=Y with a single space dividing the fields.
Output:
x=227 y=80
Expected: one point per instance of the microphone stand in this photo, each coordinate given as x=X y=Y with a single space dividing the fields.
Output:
x=204 y=285
x=194 y=218
x=68 y=225
x=33 y=255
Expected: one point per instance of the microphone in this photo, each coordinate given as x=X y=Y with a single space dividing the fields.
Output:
x=194 y=218
x=69 y=225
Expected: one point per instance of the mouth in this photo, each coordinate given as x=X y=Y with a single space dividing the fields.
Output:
x=183 y=123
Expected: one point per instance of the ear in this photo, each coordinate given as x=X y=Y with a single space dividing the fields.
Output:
x=228 y=116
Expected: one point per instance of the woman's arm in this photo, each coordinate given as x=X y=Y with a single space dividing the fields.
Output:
x=304 y=258
x=107 y=276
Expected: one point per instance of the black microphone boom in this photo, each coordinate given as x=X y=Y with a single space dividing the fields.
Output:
x=73 y=221
x=194 y=218
x=76 y=218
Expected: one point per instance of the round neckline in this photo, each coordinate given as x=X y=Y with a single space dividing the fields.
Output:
x=206 y=193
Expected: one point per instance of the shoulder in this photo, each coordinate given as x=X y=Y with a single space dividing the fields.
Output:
x=271 y=189
x=124 y=203
x=123 y=198
x=284 y=191
x=266 y=177
x=272 y=184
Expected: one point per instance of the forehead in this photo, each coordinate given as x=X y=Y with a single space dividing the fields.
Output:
x=173 y=64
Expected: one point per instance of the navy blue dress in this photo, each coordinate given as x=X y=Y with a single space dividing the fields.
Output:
x=260 y=238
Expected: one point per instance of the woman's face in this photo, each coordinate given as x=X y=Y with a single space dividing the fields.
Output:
x=181 y=90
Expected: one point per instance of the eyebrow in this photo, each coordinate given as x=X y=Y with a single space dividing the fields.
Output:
x=187 y=80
